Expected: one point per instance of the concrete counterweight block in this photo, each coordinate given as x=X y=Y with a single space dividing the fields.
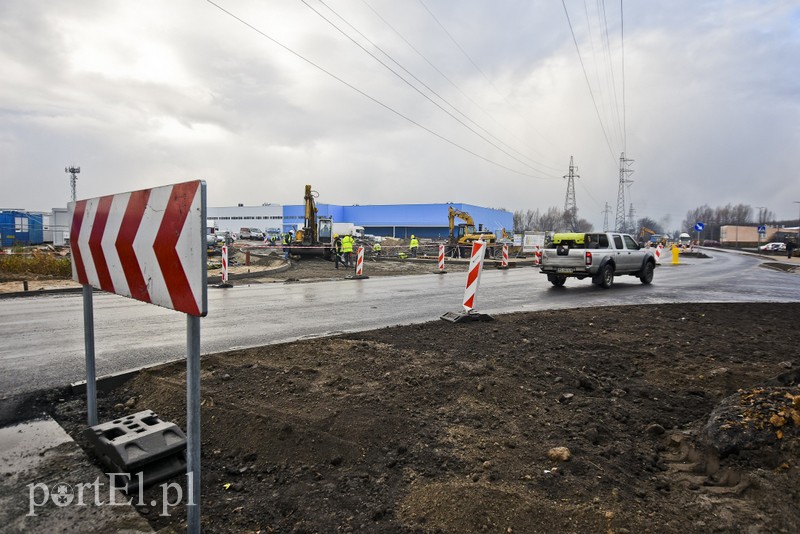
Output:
x=140 y=442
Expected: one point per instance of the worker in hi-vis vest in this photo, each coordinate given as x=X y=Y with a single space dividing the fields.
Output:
x=413 y=245
x=347 y=250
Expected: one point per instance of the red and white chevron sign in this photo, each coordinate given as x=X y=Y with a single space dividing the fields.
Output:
x=149 y=245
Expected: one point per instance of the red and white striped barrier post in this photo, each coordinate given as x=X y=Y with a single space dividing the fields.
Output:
x=225 y=282
x=360 y=265
x=657 y=253
x=360 y=262
x=471 y=290
x=474 y=274
x=504 y=262
x=441 y=261
x=224 y=264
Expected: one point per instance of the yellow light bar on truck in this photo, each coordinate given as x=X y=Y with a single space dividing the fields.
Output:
x=575 y=238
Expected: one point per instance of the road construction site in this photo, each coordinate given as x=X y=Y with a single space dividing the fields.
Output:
x=669 y=417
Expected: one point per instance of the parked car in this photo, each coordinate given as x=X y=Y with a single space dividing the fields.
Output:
x=775 y=246
x=251 y=233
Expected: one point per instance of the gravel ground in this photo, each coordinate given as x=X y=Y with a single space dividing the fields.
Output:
x=670 y=418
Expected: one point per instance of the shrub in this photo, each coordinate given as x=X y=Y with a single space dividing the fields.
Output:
x=36 y=263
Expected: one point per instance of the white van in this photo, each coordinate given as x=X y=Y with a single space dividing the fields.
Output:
x=251 y=233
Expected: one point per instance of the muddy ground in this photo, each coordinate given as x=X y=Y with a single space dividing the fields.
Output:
x=662 y=418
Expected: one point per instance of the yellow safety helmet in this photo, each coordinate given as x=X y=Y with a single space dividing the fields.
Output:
x=335 y=235
x=412 y=236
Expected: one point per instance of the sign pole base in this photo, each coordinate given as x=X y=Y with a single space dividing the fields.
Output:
x=466 y=317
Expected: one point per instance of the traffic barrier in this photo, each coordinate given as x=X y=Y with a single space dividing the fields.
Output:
x=140 y=443
x=504 y=262
x=441 y=261
x=471 y=291
x=225 y=283
x=657 y=253
x=359 y=266
x=537 y=256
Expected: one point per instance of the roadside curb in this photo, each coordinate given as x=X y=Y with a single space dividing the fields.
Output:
x=211 y=280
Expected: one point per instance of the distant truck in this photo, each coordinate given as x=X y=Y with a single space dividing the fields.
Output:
x=599 y=256
x=211 y=233
x=251 y=233
x=344 y=228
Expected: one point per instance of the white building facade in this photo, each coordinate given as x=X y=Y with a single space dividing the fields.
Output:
x=267 y=218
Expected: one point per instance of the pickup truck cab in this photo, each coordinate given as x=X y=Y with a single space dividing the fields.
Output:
x=599 y=256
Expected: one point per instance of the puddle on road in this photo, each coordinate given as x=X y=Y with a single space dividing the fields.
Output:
x=23 y=446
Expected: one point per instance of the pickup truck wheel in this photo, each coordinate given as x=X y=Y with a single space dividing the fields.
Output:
x=558 y=280
x=606 y=276
x=647 y=273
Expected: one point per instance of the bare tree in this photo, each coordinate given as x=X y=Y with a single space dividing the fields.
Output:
x=553 y=220
x=526 y=220
x=647 y=222
x=582 y=225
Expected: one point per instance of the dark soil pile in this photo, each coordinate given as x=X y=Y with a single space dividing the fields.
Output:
x=665 y=418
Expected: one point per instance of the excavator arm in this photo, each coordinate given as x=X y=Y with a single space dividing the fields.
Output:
x=464 y=216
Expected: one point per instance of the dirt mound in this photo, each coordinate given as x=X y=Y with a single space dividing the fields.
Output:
x=445 y=427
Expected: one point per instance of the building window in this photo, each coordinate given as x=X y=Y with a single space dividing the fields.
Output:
x=20 y=224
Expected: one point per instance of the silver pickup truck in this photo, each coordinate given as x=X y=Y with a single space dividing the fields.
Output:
x=599 y=256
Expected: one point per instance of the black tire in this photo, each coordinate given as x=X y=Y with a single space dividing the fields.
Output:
x=558 y=280
x=605 y=278
x=647 y=273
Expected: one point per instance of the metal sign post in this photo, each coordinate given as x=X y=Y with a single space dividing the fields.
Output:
x=193 y=422
x=149 y=245
x=88 y=339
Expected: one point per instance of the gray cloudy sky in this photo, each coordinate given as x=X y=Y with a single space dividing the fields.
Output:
x=146 y=93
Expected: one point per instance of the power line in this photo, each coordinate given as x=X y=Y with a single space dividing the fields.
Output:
x=459 y=46
x=469 y=58
x=418 y=80
x=624 y=109
x=607 y=47
x=586 y=77
x=362 y=93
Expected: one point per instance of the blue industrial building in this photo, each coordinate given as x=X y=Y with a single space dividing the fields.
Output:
x=403 y=220
x=20 y=228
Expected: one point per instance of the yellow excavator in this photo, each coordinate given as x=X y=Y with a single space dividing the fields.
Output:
x=315 y=237
x=463 y=234
x=646 y=234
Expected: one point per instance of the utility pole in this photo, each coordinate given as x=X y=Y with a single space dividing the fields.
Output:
x=606 y=212
x=570 y=206
x=73 y=180
x=623 y=181
x=631 y=222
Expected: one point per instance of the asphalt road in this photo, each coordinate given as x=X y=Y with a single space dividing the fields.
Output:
x=43 y=346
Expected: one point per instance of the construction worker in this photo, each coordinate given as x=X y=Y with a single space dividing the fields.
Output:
x=337 y=250
x=287 y=240
x=413 y=245
x=347 y=250
x=376 y=248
